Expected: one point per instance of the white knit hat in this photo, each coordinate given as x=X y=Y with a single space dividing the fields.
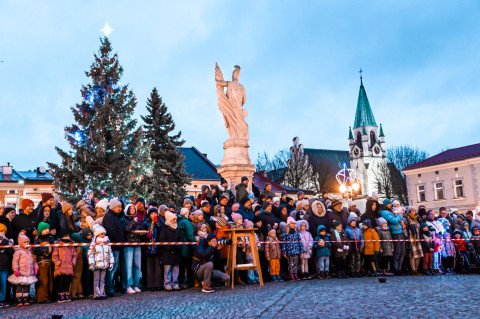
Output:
x=184 y=211
x=114 y=203
x=102 y=204
x=169 y=216
x=98 y=229
x=351 y=203
x=375 y=196
x=276 y=199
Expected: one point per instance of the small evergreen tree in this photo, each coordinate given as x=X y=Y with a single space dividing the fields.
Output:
x=107 y=153
x=167 y=180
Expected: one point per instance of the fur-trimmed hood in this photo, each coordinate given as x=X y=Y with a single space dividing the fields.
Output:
x=315 y=211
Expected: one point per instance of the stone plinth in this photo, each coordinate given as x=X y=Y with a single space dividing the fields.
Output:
x=236 y=163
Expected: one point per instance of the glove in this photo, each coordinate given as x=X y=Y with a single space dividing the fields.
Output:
x=340 y=250
x=35 y=271
x=110 y=268
x=17 y=273
x=346 y=247
x=149 y=235
x=91 y=268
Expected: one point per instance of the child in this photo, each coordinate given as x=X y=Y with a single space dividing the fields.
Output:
x=241 y=245
x=428 y=246
x=45 y=264
x=371 y=249
x=307 y=243
x=273 y=255
x=386 y=247
x=463 y=246
x=170 y=255
x=340 y=248
x=322 y=247
x=252 y=275
x=448 y=253
x=202 y=231
x=76 y=286
x=25 y=268
x=4 y=264
x=437 y=258
x=292 y=249
x=100 y=259
x=354 y=234
x=132 y=255
x=64 y=259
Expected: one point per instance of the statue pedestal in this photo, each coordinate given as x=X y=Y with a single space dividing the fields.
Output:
x=236 y=163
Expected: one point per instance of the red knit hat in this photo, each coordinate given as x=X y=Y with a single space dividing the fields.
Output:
x=46 y=196
x=25 y=202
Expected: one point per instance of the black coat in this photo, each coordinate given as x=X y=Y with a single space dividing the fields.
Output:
x=341 y=216
x=4 y=220
x=371 y=214
x=63 y=224
x=114 y=229
x=5 y=254
x=314 y=221
x=241 y=192
x=129 y=227
x=203 y=254
x=24 y=222
x=170 y=255
x=268 y=220
x=52 y=220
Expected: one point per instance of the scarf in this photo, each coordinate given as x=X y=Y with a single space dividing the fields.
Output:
x=102 y=240
x=337 y=235
x=171 y=225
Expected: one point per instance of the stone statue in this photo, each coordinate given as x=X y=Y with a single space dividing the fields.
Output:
x=231 y=104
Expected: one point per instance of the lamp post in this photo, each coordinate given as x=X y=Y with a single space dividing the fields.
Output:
x=349 y=182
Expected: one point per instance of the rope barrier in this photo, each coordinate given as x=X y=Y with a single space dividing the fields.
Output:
x=195 y=243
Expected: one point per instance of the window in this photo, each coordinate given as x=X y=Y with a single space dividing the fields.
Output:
x=458 y=184
x=11 y=191
x=456 y=169
x=439 y=191
x=436 y=172
x=421 y=193
x=419 y=175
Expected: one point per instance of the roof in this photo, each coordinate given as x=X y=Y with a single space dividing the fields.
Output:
x=363 y=115
x=34 y=175
x=453 y=155
x=198 y=165
x=14 y=177
x=260 y=180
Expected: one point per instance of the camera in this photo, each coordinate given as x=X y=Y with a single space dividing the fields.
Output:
x=224 y=241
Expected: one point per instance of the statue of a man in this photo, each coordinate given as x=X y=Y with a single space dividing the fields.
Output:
x=231 y=104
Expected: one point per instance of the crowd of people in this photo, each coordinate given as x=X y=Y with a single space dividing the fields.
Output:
x=297 y=239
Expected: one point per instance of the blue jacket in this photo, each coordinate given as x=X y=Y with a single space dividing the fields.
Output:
x=246 y=214
x=393 y=221
x=293 y=248
x=355 y=234
x=325 y=250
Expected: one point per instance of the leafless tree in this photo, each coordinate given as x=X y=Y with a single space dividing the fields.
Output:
x=275 y=166
x=324 y=173
x=299 y=171
x=404 y=155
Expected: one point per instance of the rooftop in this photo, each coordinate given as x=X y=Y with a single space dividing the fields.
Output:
x=198 y=165
x=453 y=155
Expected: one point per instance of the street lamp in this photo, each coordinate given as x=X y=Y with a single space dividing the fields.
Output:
x=349 y=182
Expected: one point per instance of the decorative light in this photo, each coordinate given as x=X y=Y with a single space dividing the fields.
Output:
x=356 y=186
x=348 y=180
x=77 y=136
x=107 y=29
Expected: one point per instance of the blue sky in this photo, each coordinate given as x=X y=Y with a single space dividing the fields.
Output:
x=299 y=59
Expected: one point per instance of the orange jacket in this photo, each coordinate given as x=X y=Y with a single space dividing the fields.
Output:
x=370 y=247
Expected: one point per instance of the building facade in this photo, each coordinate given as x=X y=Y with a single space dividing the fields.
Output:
x=450 y=179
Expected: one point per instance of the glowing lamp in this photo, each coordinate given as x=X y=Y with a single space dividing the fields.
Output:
x=356 y=186
x=343 y=189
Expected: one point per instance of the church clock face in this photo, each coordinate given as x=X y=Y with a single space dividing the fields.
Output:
x=356 y=151
x=376 y=150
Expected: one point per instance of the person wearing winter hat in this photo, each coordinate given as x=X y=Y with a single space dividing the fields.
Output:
x=307 y=243
x=241 y=189
x=100 y=260
x=300 y=195
x=396 y=229
x=187 y=230
x=371 y=249
x=115 y=233
x=292 y=248
x=47 y=199
x=375 y=196
x=273 y=254
x=354 y=234
x=132 y=255
x=340 y=248
x=66 y=224
x=413 y=228
x=4 y=264
x=268 y=219
x=337 y=213
x=386 y=247
x=171 y=255
x=100 y=211
x=6 y=217
x=25 y=269
x=26 y=220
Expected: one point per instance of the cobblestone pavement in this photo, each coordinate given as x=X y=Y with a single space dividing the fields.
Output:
x=406 y=297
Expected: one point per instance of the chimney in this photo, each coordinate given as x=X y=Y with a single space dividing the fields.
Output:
x=205 y=155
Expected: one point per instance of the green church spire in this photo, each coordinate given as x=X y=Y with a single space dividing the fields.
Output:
x=381 y=131
x=363 y=115
x=350 y=134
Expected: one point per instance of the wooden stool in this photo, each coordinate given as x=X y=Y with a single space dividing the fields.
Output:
x=232 y=254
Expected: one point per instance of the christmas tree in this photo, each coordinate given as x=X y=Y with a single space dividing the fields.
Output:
x=167 y=179
x=106 y=146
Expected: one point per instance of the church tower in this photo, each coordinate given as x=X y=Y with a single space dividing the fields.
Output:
x=366 y=144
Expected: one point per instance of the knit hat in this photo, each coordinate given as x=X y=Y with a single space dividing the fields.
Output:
x=349 y=220
x=266 y=204
x=127 y=209
x=395 y=202
x=381 y=221
x=283 y=193
x=375 y=196
x=290 y=220
x=282 y=226
x=236 y=217
x=198 y=213
x=367 y=222
x=210 y=237
x=244 y=178
x=302 y=222
x=187 y=201
x=453 y=210
x=272 y=231
x=42 y=226
x=256 y=219
x=336 y=223
x=25 y=202
x=305 y=202
x=162 y=208
x=22 y=239
x=184 y=211
x=352 y=215
x=8 y=209
x=221 y=221
x=76 y=237
x=409 y=208
x=46 y=197
x=223 y=181
x=423 y=225
x=169 y=216
x=66 y=207
x=152 y=210
x=247 y=224
x=3 y=227
x=114 y=203
x=97 y=230
x=299 y=193
x=335 y=202
x=140 y=200
x=243 y=201
x=351 y=203
x=386 y=201
x=251 y=196
x=102 y=204
x=86 y=231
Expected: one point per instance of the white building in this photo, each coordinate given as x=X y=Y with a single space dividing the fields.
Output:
x=449 y=179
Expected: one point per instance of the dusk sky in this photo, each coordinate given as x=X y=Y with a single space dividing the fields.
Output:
x=299 y=59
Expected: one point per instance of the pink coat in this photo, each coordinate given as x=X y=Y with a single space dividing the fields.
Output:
x=64 y=259
x=23 y=262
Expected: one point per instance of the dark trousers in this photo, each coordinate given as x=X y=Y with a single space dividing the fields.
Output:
x=45 y=281
x=186 y=274
x=386 y=262
x=264 y=264
x=448 y=262
x=87 y=279
x=154 y=272
x=340 y=264
x=63 y=283
x=370 y=262
x=399 y=251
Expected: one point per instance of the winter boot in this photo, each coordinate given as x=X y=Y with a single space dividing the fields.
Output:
x=67 y=297
x=326 y=274
x=25 y=300
x=60 y=298
x=19 y=301
x=321 y=275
